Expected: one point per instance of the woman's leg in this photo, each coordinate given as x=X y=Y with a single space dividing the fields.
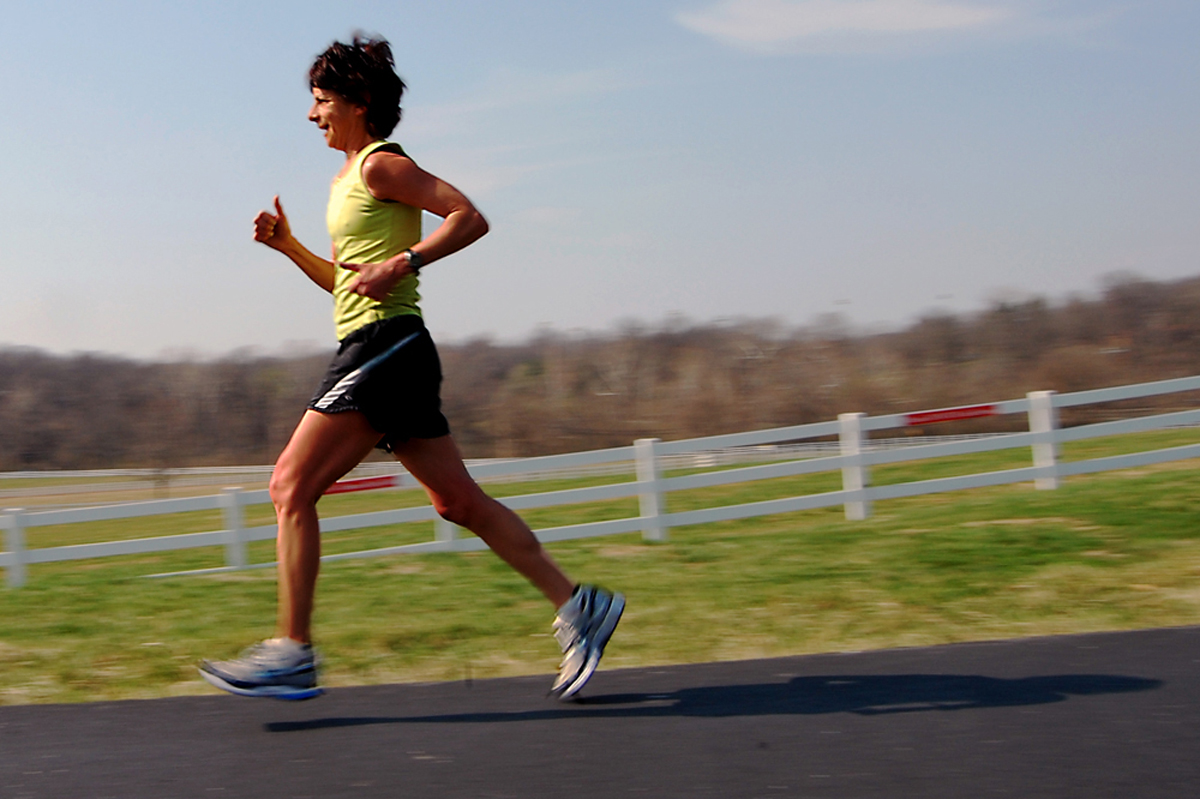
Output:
x=323 y=448
x=436 y=462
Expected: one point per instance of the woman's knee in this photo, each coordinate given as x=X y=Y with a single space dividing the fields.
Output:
x=498 y=526
x=287 y=490
x=466 y=506
x=455 y=511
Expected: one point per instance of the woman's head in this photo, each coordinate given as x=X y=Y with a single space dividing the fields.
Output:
x=363 y=73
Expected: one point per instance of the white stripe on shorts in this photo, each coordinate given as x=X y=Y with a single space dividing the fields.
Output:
x=346 y=383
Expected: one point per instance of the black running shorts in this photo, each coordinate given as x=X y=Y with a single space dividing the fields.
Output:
x=388 y=371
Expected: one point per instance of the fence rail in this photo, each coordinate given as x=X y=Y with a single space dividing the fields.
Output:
x=856 y=454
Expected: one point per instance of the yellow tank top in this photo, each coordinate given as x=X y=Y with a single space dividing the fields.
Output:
x=368 y=231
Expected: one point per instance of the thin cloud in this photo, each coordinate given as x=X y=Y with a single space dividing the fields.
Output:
x=790 y=25
x=436 y=130
x=508 y=90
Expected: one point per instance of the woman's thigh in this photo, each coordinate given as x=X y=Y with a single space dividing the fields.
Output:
x=322 y=449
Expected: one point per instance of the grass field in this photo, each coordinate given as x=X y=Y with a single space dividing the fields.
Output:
x=1112 y=551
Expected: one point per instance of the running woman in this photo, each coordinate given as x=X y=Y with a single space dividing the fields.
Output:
x=381 y=389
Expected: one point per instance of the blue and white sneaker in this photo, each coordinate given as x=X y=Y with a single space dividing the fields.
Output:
x=582 y=627
x=279 y=668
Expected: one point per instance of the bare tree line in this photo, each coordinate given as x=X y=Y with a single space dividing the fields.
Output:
x=558 y=393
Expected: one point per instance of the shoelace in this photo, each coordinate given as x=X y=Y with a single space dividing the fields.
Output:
x=261 y=654
x=566 y=633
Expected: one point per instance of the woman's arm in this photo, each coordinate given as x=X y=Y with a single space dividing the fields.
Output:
x=395 y=177
x=274 y=231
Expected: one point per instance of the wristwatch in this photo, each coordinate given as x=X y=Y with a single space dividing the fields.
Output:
x=415 y=261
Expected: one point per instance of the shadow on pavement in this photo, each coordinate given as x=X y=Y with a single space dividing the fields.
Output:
x=866 y=695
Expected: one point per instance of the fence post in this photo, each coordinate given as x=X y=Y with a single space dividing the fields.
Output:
x=650 y=498
x=16 y=547
x=855 y=475
x=235 y=528
x=1043 y=421
x=445 y=531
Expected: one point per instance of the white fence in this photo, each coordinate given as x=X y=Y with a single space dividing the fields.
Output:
x=856 y=454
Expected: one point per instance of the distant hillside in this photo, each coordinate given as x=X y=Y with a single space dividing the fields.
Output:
x=558 y=393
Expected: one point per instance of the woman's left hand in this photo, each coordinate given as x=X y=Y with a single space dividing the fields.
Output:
x=377 y=280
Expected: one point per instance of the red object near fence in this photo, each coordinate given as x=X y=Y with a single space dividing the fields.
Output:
x=363 y=484
x=950 y=414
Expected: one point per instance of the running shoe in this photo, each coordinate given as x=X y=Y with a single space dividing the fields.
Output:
x=279 y=668
x=582 y=627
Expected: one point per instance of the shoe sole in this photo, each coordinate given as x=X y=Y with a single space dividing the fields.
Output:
x=607 y=627
x=285 y=692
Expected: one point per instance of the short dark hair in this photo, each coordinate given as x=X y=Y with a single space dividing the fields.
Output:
x=364 y=73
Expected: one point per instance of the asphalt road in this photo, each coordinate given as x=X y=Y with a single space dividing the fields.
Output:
x=1108 y=715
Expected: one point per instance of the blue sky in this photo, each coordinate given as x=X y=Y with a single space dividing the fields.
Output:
x=716 y=159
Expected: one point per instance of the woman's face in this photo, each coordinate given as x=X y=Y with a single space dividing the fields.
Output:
x=343 y=122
